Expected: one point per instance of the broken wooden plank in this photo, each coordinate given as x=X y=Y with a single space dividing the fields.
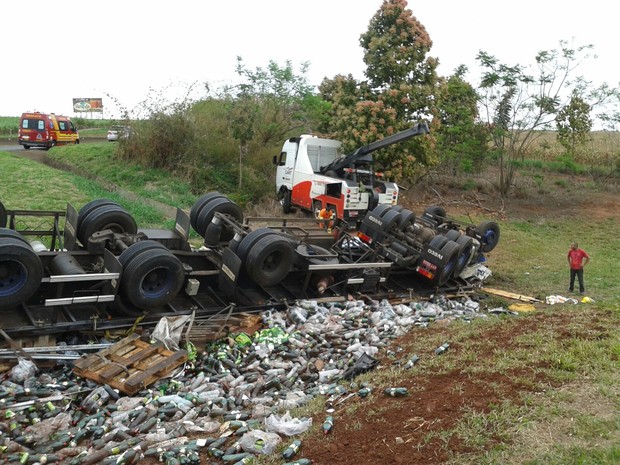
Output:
x=509 y=295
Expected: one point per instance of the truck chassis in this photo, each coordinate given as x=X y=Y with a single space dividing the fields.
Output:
x=97 y=271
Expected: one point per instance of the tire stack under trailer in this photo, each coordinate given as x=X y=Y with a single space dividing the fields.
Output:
x=94 y=269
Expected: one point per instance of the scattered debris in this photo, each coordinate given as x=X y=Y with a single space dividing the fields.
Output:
x=120 y=402
x=560 y=299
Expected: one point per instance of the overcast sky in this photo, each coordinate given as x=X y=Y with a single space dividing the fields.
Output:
x=54 y=52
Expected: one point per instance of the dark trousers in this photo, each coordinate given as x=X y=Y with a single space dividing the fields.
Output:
x=579 y=274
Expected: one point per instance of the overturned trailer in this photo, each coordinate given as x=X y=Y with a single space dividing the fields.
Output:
x=97 y=270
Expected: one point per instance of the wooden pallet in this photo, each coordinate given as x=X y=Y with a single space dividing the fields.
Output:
x=130 y=365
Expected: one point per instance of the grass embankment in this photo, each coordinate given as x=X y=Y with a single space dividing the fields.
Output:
x=538 y=388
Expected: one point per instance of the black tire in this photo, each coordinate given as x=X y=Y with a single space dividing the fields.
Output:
x=489 y=235
x=381 y=210
x=106 y=217
x=436 y=210
x=5 y=232
x=407 y=218
x=26 y=147
x=249 y=240
x=3 y=216
x=152 y=279
x=453 y=235
x=391 y=220
x=21 y=272
x=465 y=253
x=135 y=249
x=373 y=201
x=269 y=260
x=450 y=251
x=221 y=205
x=438 y=241
x=398 y=208
x=88 y=208
x=200 y=204
x=287 y=202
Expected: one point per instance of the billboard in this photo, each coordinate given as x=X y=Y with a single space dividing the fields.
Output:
x=87 y=105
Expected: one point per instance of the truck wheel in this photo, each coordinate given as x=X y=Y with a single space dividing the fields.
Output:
x=465 y=252
x=200 y=204
x=106 y=217
x=2 y=216
x=21 y=272
x=438 y=241
x=450 y=251
x=135 y=249
x=453 y=235
x=9 y=233
x=91 y=206
x=391 y=220
x=287 y=202
x=381 y=210
x=407 y=218
x=26 y=147
x=269 y=260
x=489 y=235
x=249 y=240
x=152 y=278
x=223 y=206
x=435 y=210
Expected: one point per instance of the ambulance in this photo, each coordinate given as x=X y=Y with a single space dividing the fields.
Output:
x=46 y=130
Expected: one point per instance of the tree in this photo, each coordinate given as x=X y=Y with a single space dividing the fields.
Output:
x=268 y=105
x=574 y=124
x=518 y=101
x=461 y=140
x=397 y=93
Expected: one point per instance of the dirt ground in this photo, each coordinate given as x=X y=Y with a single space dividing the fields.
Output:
x=399 y=431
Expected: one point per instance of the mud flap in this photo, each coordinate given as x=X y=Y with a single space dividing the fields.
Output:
x=231 y=267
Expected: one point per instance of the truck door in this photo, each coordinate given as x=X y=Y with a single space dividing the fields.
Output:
x=285 y=167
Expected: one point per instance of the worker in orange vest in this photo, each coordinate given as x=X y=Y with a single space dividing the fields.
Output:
x=325 y=215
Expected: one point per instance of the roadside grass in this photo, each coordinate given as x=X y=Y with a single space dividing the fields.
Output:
x=33 y=186
x=97 y=161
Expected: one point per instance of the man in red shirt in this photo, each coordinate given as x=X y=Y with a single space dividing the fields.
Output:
x=577 y=259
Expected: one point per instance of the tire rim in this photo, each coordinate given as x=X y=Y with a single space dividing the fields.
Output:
x=13 y=277
x=489 y=237
x=157 y=283
x=272 y=262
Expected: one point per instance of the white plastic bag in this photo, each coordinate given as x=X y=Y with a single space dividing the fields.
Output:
x=23 y=370
x=287 y=425
x=259 y=442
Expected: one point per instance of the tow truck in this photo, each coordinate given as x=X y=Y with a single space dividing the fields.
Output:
x=313 y=175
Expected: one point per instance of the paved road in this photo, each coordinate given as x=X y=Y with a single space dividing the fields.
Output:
x=10 y=147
